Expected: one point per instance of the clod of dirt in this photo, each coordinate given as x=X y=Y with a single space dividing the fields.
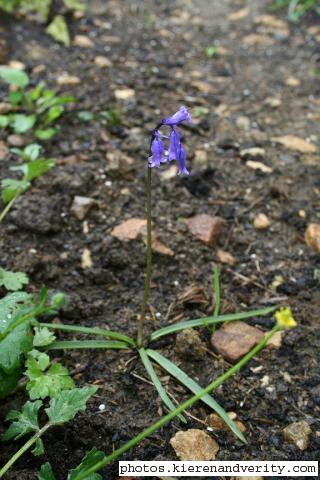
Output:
x=261 y=221
x=66 y=79
x=38 y=214
x=190 y=345
x=298 y=433
x=226 y=257
x=102 y=62
x=194 y=445
x=295 y=143
x=15 y=140
x=235 y=339
x=205 y=228
x=312 y=236
x=216 y=422
x=130 y=229
x=81 y=206
x=83 y=41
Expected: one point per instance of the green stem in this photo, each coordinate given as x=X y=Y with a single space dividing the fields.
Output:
x=7 y=208
x=141 y=319
x=23 y=449
x=160 y=423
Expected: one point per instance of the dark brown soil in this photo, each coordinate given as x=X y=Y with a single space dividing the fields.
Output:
x=157 y=49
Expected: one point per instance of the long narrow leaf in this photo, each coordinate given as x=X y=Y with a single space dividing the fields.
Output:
x=199 y=322
x=87 y=344
x=89 y=331
x=195 y=388
x=156 y=382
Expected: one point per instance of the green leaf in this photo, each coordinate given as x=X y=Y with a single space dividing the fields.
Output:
x=8 y=5
x=45 y=134
x=14 y=77
x=85 y=116
x=46 y=472
x=8 y=382
x=200 y=322
x=4 y=121
x=31 y=152
x=16 y=97
x=10 y=306
x=58 y=30
x=211 y=51
x=54 y=113
x=91 y=458
x=12 y=280
x=21 y=123
x=12 y=188
x=43 y=337
x=155 y=380
x=46 y=383
x=38 y=167
x=195 y=388
x=37 y=91
x=75 y=5
x=24 y=422
x=39 y=448
x=68 y=403
x=86 y=344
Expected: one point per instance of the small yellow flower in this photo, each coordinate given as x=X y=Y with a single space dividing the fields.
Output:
x=285 y=318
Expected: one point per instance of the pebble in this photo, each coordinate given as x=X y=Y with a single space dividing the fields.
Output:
x=130 y=229
x=3 y=150
x=226 y=257
x=102 y=62
x=235 y=339
x=86 y=261
x=16 y=140
x=5 y=108
x=295 y=143
x=83 y=41
x=66 y=79
x=194 y=445
x=189 y=345
x=205 y=228
x=254 y=152
x=261 y=221
x=312 y=236
x=81 y=206
x=258 y=166
x=124 y=94
x=219 y=425
x=118 y=163
x=298 y=433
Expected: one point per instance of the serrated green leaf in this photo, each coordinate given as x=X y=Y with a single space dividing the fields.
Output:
x=46 y=383
x=21 y=123
x=46 y=472
x=14 y=76
x=4 y=121
x=24 y=422
x=43 y=337
x=68 y=403
x=45 y=134
x=13 y=280
x=58 y=30
x=91 y=458
x=12 y=188
x=39 y=448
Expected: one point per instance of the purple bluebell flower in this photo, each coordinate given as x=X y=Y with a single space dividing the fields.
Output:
x=176 y=150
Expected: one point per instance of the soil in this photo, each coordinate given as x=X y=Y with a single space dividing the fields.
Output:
x=157 y=49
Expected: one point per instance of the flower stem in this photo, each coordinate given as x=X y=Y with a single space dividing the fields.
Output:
x=23 y=449
x=8 y=207
x=160 y=423
x=142 y=316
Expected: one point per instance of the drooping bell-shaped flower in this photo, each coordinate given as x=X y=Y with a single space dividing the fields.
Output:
x=182 y=115
x=182 y=161
x=174 y=145
x=157 y=150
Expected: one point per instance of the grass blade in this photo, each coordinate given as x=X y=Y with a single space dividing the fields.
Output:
x=217 y=294
x=156 y=382
x=89 y=331
x=195 y=388
x=199 y=322
x=87 y=344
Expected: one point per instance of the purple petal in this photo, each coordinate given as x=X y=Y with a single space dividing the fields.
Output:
x=157 y=150
x=182 y=115
x=174 y=145
x=182 y=162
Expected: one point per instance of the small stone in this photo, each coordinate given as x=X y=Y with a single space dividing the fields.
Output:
x=83 y=41
x=81 y=206
x=16 y=140
x=190 y=345
x=258 y=166
x=298 y=433
x=17 y=65
x=273 y=102
x=216 y=422
x=261 y=221
x=271 y=21
x=5 y=108
x=200 y=158
x=65 y=79
x=202 y=86
x=254 y=152
x=124 y=94
x=102 y=62
x=194 y=445
x=86 y=261
x=205 y=228
x=169 y=173
x=312 y=236
x=130 y=229
x=243 y=123
x=118 y=163
x=239 y=15
x=276 y=340
x=3 y=150
x=235 y=339
x=256 y=39
x=292 y=82
x=38 y=69
x=295 y=143
x=226 y=257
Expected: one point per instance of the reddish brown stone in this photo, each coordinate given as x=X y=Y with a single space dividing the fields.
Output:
x=205 y=228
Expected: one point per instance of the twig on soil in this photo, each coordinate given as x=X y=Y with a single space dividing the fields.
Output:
x=249 y=280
